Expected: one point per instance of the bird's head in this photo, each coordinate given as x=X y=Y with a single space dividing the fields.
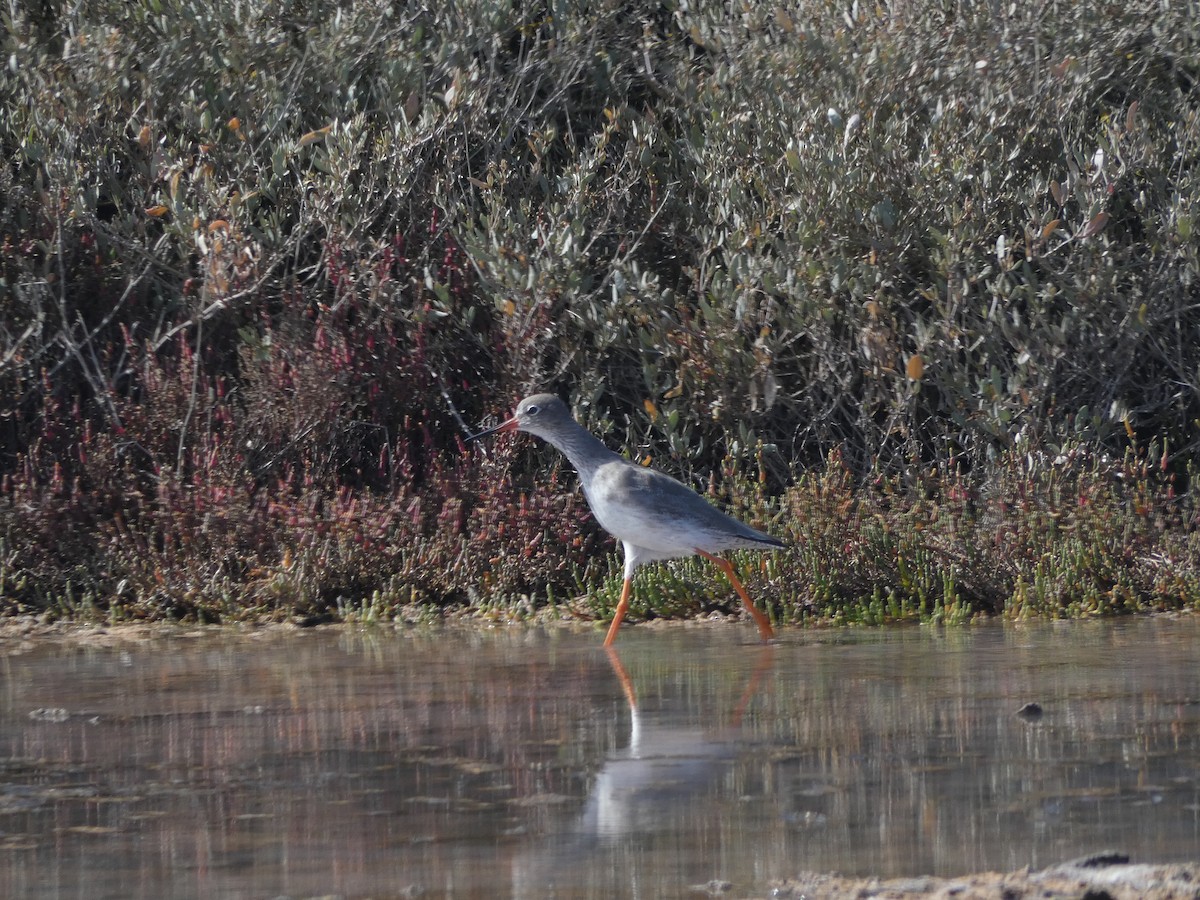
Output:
x=540 y=414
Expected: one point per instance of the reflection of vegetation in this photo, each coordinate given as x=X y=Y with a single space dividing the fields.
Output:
x=893 y=747
x=870 y=752
x=944 y=261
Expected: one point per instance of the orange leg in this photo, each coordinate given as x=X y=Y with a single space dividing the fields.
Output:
x=764 y=627
x=622 y=608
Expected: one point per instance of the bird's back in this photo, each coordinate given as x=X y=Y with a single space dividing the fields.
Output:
x=651 y=510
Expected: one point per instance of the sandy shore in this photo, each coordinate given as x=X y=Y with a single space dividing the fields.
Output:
x=1102 y=876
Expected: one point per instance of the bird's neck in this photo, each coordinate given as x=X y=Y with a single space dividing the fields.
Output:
x=584 y=450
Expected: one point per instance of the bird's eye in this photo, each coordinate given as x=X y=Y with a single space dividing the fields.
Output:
x=532 y=409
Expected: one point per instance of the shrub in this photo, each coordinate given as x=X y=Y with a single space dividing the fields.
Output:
x=262 y=269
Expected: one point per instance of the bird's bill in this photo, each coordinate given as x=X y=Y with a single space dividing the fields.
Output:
x=510 y=425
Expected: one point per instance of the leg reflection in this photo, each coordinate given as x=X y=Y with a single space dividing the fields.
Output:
x=668 y=777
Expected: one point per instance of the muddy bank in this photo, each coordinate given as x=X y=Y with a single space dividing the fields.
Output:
x=1104 y=876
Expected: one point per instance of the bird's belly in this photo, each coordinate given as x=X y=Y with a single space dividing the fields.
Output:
x=650 y=532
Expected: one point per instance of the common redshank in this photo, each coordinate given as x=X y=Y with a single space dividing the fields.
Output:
x=652 y=515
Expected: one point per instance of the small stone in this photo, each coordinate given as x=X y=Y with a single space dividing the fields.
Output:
x=1030 y=711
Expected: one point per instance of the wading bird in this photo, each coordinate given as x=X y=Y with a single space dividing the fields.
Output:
x=651 y=514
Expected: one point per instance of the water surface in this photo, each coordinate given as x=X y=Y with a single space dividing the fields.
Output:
x=530 y=763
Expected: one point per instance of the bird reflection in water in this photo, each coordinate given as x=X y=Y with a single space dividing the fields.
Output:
x=668 y=774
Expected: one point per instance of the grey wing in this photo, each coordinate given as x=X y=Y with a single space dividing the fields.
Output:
x=653 y=510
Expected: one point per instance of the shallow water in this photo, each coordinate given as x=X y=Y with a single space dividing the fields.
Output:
x=530 y=763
